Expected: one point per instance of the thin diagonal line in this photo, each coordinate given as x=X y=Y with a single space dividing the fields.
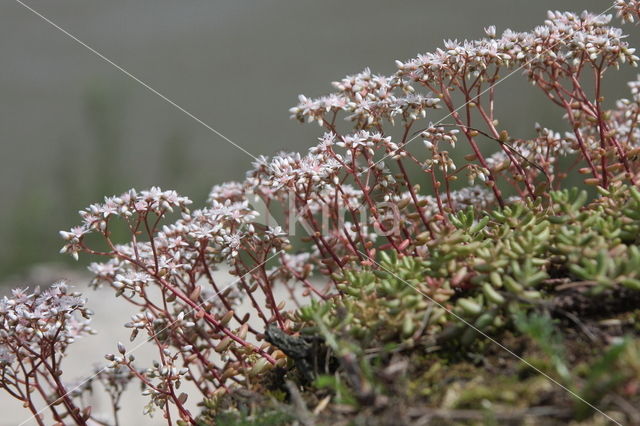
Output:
x=133 y=77
x=478 y=96
x=144 y=342
x=500 y=345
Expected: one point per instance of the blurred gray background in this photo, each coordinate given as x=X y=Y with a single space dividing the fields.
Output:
x=73 y=128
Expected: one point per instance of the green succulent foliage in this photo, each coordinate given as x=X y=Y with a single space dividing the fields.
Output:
x=382 y=306
x=600 y=243
x=487 y=268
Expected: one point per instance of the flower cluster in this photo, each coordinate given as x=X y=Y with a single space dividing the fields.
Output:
x=40 y=320
x=555 y=56
x=36 y=329
x=565 y=37
x=167 y=270
x=161 y=382
x=368 y=100
x=131 y=203
x=628 y=10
